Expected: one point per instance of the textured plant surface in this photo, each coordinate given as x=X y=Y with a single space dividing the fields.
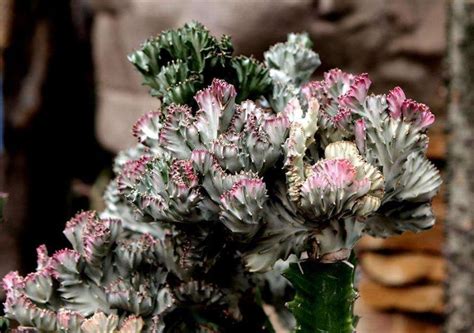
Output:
x=324 y=296
x=221 y=187
x=178 y=63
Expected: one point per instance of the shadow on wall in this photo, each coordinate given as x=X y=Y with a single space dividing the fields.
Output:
x=49 y=127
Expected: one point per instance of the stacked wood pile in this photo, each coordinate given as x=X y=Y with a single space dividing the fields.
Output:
x=402 y=283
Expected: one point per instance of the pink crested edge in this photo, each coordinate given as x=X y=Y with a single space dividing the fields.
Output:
x=151 y=200
x=130 y=320
x=24 y=303
x=276 y=127
x=292 y=109
x=395 y=98
x=321 y=88
x=250 y=185
x=357 y=91
x=204 y=158
x=64 y=317
x=33 y=277
x=174 y=112
x=183 y=174
x=417 y=113
x=399 y=106
x=96 y=228
x=114 y=287
x=143 y=121
x=278 y=120
x=342 y=118
x=80 y=218
x=43 y=259
x=148 y=240
x=312 y=89
x=336 y=75
x=131 y=171
x=12 y=282
x=60 y=257
x=95 y=234
x=332 y=173
x=219 y=91
x=251 y=123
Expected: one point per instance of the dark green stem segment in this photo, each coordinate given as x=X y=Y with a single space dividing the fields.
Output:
x=324 y=297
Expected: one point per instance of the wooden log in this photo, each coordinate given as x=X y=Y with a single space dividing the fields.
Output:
x=429 y=241
x=403 y=269
x=390 y=322
x=437 y=147
x=417 y=299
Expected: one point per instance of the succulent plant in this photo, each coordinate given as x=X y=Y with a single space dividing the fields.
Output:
x=220 y=189
x=178 y=63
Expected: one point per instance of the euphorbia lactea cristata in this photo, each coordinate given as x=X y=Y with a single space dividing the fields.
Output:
x=220 y=188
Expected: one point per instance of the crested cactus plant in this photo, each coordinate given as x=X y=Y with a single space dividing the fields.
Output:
x=178 y=63
x=245 y=165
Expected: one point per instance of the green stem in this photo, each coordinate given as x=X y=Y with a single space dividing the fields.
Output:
x=324 y=297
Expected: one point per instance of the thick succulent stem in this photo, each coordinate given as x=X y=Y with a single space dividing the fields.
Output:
x=324 y=297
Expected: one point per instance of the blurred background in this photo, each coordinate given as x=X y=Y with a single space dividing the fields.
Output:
x=69 y=98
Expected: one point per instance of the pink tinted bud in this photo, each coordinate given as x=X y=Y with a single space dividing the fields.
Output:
x=68 y=318
x=312 y=89
x=333 y=173
x=251 y=187
x=12 y=281
x=204 y=161
x=178 y=116
x=96 y=239
x=131 y=172
x=80 y=219
x=342 y=118
x=223 y=91
x=65 y=261
x=276 y=127
x=395 y=98
x=219 y=91
x=293 y=110
x=183 y=174
x=332 y=76
x=147 y=127
x=417 y=113
x=357 y=92
x=43 y=258
x=336 y=76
